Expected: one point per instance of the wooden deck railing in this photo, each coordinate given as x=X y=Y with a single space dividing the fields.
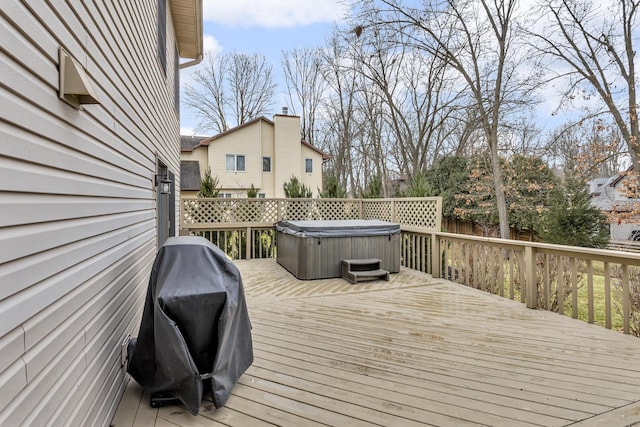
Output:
x=598 y=286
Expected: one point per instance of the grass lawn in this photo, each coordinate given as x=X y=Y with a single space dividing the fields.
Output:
x=481 y=266
x=599 y=312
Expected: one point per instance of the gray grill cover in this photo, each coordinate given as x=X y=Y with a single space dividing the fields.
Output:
x=195 y=333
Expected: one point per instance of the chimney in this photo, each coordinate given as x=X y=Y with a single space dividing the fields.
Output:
x=285 y=111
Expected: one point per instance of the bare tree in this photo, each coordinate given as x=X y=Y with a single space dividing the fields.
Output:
x=593 y=147
x=417 y=95
x=208 y=98
x=596 y=41
x=476 y=39
x=251 y=86
x=305 y=86
x=231 y=86
x=341 y=124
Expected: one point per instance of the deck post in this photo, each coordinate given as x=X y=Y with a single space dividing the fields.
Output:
x=393 y=211
x=531 y=285
x=436 y=255
x=438 y=225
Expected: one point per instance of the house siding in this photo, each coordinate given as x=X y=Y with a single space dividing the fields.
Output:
x=622 y=231
x=246 y=142
x=78 y=222
x=287 y=150
x=312 y=180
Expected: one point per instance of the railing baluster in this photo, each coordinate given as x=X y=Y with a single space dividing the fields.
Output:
x=512 y=285
x=483 y=267
x=530 y=287
x=466 y=250
x=547 y=282
x=423 y=253
x=560 y=286
x=476 y=267
x=416 y=252
x=626 y=300
x=574 y=287
x=590 y=303
x=607 y=296
x=500 y=260
x=248 y=243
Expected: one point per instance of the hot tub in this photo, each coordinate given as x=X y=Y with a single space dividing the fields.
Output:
x=315 y=249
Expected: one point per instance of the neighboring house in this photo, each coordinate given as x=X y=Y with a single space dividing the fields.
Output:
x=89 y=118
x=608 y=195
x=190 y=176
x=261 y=152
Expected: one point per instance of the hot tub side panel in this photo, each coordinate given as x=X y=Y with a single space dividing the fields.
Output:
x=385 y=248
x=320 y=257
x=330 y=251
x=288 y=248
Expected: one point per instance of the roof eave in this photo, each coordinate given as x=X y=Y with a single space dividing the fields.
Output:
x=187 y=22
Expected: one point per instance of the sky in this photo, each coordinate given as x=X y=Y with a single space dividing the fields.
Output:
x=265 y=27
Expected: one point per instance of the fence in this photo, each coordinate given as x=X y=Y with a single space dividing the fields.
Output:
x=595 y=285
x=423 y=212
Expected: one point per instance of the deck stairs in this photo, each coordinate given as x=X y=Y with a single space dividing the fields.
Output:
x=358 y=270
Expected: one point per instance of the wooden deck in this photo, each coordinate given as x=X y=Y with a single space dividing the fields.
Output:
x=412 y=351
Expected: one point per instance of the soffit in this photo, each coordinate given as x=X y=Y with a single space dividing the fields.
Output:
x=187 y=22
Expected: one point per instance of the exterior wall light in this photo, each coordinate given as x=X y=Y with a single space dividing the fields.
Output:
x=164 y=184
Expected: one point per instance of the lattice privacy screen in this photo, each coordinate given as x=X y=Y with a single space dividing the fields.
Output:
x=415 y=212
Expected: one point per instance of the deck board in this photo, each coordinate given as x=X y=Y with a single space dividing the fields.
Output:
x=412 y=351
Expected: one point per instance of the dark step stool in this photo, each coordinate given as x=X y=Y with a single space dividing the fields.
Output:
x=357 y=270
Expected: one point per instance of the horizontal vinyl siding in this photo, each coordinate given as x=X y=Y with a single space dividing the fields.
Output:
x=78 y=220
x=244 y=142
x=312 y=180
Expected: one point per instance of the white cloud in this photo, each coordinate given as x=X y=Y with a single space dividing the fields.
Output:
x=187 y=131
x=210 y=44
x=273 y=13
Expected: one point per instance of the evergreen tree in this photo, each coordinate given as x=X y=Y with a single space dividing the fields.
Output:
x=448 y=177
x=209 y=185
x=294 y=189
x=332 y=188
x=572 y=220
x=373 y=189
x=420 y=186
x=476 y=202
x=530 y=184
x=252 y=192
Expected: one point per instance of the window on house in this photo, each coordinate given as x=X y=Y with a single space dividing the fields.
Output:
x=235 y=163
x=224 y=195
x=308 y=165
x=261 y=195
x=162 y=34
x=266 y=164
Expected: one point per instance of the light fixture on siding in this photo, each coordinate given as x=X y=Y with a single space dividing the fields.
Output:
x=75 y=87
x=164 y=184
